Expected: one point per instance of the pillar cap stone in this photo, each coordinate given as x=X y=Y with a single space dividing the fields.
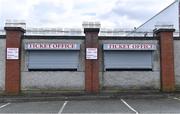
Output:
x=15 y=29
x=156 y=31
x=91 y=30
x=15 y=25
x=163 y=28
x=91 y=26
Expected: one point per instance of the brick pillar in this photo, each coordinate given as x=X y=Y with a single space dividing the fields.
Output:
x=91 y=64
x=165 y=37
x=13 y=63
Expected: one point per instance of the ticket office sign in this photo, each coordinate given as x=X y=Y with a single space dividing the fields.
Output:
x=129 y=47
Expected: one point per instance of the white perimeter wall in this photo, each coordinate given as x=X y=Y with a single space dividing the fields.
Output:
x=2 y=64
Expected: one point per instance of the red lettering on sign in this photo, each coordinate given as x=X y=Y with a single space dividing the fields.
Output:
x=130 y=46
x=51 y=46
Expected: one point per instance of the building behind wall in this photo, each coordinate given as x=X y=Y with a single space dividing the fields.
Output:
x=168 y=16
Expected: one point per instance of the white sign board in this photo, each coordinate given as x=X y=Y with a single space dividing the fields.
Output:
x=91 y=53
x=129 y=47
x=12 y=53
x=52 y=46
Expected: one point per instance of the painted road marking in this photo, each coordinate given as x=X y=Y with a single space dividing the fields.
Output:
x=62 y=108
x=4 y=105
x=129 y=106
x=176 y=98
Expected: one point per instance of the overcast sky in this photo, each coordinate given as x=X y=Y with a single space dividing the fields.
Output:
x=71 y=13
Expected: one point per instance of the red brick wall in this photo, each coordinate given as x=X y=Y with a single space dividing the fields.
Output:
x=91 y=66
x=166 y=59
x=12 y=77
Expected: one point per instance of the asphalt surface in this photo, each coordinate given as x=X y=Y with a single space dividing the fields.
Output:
x=169 y=105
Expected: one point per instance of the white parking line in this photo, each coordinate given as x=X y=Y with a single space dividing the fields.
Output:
x=176 y=98
x=4 y=105
x=129 y=106
x=60 y=111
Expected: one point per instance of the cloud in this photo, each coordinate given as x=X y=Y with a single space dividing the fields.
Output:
x=71 y=13
x=129 y=13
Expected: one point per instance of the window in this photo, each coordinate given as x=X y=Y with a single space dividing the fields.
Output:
x=128 y=60
x=53 y=60
x=53 y=56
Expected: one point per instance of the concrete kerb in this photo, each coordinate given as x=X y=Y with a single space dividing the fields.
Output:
x=102 y=96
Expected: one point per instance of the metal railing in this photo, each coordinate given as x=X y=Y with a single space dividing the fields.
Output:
x=80 y=32
x=55 y=31
x=2 y=32
x=107 y=32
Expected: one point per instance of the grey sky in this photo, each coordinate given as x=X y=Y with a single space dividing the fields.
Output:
x=71 y=13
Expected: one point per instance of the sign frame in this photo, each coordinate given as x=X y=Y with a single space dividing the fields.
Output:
x=12 y=53
x=130 y=46
x=92 y=53
x=51 y=46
